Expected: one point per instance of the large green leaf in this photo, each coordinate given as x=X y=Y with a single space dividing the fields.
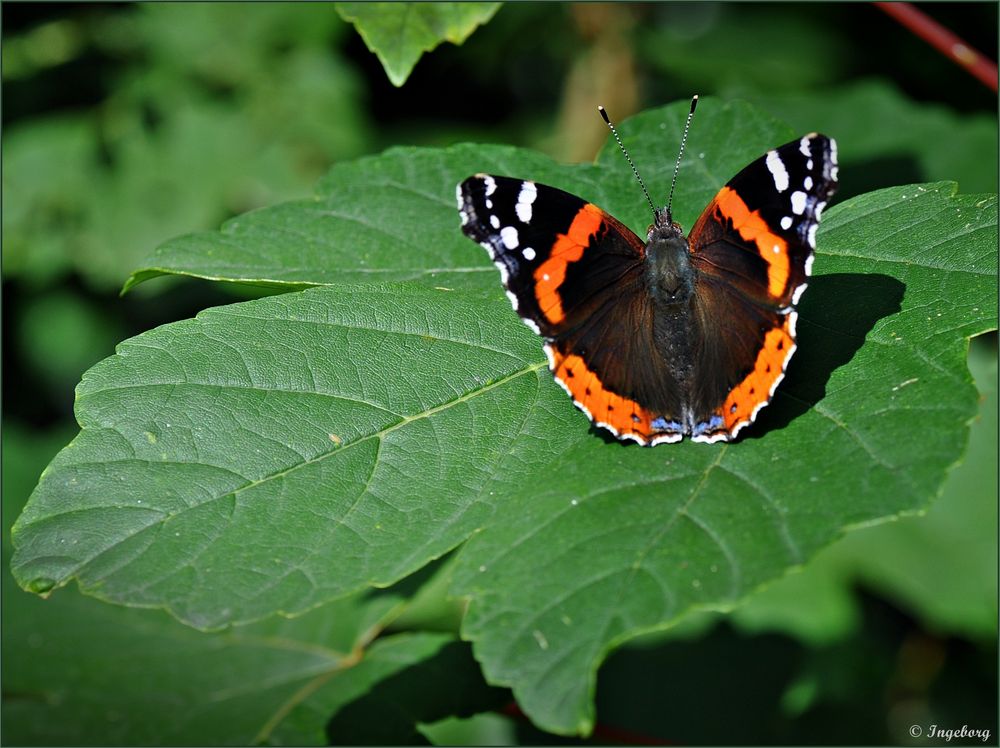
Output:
x=400 y=33
x=275 y=454
x=874 y=411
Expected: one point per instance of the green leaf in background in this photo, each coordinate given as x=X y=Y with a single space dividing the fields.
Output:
x=708 y=46
x=886 y=138
x=273 y=455
x=309 y=721
x=79 y=672
x=362 y=224
x=448 y=684
x=42 y=217
x=62 y=334
x=162 y=153
x=399 y=33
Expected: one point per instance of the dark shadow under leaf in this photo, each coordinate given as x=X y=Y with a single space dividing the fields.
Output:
x=449 y=684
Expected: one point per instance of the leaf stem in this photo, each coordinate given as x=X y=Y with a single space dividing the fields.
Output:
x=944 y=41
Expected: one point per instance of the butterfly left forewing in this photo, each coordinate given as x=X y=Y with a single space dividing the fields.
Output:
x=575 y=275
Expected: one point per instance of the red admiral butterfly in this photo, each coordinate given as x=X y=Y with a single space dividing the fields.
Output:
x=673 y=336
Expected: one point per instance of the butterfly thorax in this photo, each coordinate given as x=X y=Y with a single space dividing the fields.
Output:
x=669 y=274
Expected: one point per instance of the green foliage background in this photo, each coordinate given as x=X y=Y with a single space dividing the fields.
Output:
x=127 y=127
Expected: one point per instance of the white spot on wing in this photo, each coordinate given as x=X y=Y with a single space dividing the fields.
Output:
x=494 y=222
x=529 y=253
x=798 y=202
x=508 y=235
x=786 y=223
x=811 y=236
x=807 y=183
x=524 y=200
x=804 y=147
x=777 y=168
x=491 y=185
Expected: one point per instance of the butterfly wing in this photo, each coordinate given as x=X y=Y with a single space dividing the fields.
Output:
x=574 y=275
x=753 y=249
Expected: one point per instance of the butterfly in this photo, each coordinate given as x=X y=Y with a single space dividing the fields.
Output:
x=673 y=336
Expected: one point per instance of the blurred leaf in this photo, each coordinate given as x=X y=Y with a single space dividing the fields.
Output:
x=709 y=47
x=49 y=170
x=449 y=683
x=79 y=672
x=286 y=451
x=47 y=45
x=307 y=722
x=400 y=33
x=885 y=138
x=189 y=40
x=432 y=608
x=486 y=729
x=61 y=334
x=164 y=152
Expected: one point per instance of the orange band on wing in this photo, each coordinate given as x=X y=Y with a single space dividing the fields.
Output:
x=758 y=386
x=753 y=228
x=568 y=248
x=623 y=416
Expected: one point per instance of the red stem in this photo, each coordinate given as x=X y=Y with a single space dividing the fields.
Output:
x=943 y=40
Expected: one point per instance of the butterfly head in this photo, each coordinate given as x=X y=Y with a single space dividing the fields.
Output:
x=668 y=264
x=663 y=222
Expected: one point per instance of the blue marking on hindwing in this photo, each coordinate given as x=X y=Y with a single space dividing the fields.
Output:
x=662 y=424
x=710 y=425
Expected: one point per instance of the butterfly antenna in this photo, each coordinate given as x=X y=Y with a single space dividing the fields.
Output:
x=684 y=137
x=628 y=158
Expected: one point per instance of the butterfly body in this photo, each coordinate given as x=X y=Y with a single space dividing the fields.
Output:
x=676 y=336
